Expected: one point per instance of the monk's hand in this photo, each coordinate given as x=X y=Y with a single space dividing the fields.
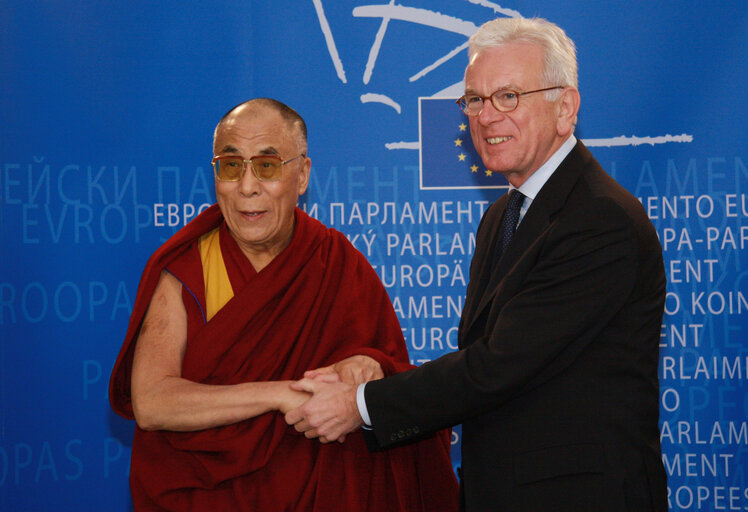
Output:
x=289 y=399
x=330 y=414
x=352 y=370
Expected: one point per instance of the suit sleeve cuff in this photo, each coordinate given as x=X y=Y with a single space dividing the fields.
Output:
x=361 y=403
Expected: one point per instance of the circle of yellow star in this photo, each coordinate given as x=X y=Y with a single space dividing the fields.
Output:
x=489 y=173
x=462 y=127
x=462 y=157
x=458 y=142
x=474 y=168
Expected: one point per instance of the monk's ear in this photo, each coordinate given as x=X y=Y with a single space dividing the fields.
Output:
x=304 y=175
x=567 y=107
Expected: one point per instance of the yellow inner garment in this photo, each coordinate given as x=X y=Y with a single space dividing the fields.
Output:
x=218 y=290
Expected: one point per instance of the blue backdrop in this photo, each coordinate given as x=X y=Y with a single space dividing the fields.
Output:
x=106 y=119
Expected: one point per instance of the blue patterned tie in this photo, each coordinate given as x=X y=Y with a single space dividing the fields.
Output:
x=511 y=217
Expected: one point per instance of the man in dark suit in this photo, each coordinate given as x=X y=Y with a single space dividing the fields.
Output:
x=555 y=382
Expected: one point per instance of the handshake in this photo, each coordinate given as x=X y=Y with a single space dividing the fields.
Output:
x=324 y=402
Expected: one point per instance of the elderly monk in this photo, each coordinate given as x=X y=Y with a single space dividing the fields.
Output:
x=244 y=299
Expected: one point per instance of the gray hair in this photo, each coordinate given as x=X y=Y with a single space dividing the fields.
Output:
x=559 y=51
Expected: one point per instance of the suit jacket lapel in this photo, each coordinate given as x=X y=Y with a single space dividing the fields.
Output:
x=484 y=257
x=538 y=218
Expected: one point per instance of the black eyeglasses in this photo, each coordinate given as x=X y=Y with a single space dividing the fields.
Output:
x=503 y=100
x=264 y=167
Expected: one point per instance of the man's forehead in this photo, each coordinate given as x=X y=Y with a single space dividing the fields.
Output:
x=266 y=124
x=248 y=115
x=263 y=150
x=520 y=53
x=505 y=65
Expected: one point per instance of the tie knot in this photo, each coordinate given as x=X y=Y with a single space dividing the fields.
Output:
x=516 y=198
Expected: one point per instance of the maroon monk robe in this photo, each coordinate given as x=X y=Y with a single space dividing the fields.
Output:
x=317 y=302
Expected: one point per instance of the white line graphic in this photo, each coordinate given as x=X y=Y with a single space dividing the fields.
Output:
x=331 y=48
x=497 y=8
x=417 y=16
x=380 y=98
x=374 y=52
x=403 y=145
x=623 y=140
x=439 y=62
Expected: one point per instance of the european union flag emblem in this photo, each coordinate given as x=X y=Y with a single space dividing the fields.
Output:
x=448 y=159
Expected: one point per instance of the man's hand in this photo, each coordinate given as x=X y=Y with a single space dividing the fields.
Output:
x=330 y=414
x=353 y=370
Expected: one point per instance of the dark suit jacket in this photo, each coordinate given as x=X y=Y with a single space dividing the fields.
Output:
x=555 y=382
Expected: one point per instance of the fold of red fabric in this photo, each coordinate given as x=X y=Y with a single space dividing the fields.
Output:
x=317 y=302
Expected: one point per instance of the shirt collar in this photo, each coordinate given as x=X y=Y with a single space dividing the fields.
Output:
x=535 y=182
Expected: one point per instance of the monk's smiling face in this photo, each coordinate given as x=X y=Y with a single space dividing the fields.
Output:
x=260 y=214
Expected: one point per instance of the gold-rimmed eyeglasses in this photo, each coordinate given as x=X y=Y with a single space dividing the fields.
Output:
x=503 y=100
x=264 y=167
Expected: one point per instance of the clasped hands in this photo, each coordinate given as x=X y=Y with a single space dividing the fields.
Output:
x=331 y=413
